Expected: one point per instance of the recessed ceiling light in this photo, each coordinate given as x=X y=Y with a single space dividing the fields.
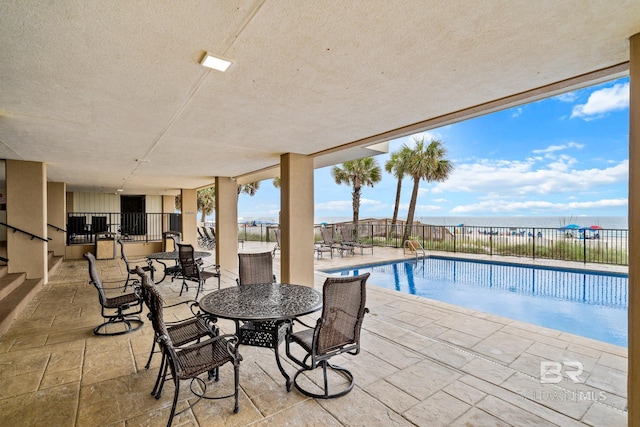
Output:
x=119 y=190
x=215 y=62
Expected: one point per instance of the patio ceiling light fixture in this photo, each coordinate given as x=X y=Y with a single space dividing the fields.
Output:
x=215 y=62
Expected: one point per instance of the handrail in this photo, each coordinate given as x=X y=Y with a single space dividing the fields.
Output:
x=414 y=246
x=3 y=259
x=33 y=236
x=57 y=228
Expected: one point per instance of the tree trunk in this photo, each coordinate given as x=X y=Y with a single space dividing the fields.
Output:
x=394 y=220
x=412 y=209
x=356 y=204
x=202 y=218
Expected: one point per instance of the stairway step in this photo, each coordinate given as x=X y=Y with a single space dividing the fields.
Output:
x=9 y=283
x=16 y=301
x=53 y=263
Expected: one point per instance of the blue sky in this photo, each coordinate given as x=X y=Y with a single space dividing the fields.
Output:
x=562 y=156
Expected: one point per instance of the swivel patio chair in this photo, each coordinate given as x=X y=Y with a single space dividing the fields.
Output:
x=120 y=310
x=337 y=331
x=189 y=361
x=192 y=269
x=131 y=269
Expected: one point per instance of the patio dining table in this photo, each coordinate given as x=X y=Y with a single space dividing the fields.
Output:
x=171 y=256
x=262 y=312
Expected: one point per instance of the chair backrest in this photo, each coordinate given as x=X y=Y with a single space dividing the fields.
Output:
x=278 y=236
x=154 y=303
x=99 y=224
x=123 y=254
x=94 y=278
x=188 y=265
x=213 y=232
x=346 y=232
x=343 y=309
x=327 y=236
x=255 y=268
x=176 y=240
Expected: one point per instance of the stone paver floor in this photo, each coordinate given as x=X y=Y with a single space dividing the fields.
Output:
x=422 y=363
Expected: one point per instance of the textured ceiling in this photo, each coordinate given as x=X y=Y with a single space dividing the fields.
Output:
x=91 y=87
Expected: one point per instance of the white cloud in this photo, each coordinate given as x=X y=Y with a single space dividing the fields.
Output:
x=517 y=112
x=554 y=148
x=567 y=97
x=502 y=207
x=522 y=178
x=334 y=205
x=603 y=101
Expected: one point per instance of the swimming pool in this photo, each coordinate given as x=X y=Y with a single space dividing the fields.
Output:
x=589 y=304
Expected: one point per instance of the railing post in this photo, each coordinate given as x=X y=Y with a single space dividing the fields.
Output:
x=454 y=240
x=491 y=241
x=533 y=243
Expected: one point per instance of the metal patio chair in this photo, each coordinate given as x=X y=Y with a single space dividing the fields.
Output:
x=124 y=308
x=337 y=332
x=192 y=269
x=183 y=331
x=131 y=269
x=189 y=362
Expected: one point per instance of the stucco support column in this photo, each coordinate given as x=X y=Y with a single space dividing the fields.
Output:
x=27 y=210
x=189 y=210
x=633 y=384
x=168 y=207
x=296 y=205
x=226 y=223
x=57 y=216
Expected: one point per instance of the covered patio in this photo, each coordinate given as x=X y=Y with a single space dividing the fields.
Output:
x=422 y=363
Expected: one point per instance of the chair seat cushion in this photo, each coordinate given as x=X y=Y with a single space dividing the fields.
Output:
x=304 y=338
x=199 y=358
x=121 y=300
x=208 y=274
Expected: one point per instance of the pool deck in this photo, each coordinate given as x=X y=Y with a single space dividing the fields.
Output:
x=422 y=363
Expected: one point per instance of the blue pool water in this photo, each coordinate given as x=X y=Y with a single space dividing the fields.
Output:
x=589 y=304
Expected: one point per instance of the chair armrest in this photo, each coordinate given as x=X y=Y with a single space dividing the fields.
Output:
x=232 y=344
x=135 y=283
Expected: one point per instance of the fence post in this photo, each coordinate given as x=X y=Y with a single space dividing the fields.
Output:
x=584 y=247
x=491 y=241
x=533 y=245
x=454 y=240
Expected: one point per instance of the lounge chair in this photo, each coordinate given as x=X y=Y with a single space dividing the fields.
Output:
x=351 y=238
x=327 y=241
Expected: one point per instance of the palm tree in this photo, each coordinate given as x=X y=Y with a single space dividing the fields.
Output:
x=396 y=166
x=277 y=182
x=359 y=172
x=206 y=201
x=428 y=163
x=249 y=188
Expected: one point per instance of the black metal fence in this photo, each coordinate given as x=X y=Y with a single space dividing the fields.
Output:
x=85 y=227
x=604 y=246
